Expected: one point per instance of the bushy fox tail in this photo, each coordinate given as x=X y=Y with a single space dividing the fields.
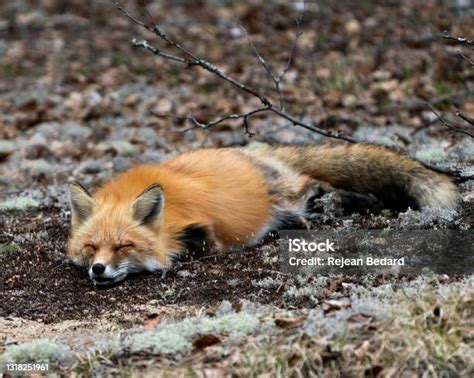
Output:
x=398 y=181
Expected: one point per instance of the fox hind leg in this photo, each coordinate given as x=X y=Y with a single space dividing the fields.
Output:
x=341 y=202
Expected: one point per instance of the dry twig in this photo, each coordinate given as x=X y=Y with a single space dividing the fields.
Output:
x=277 y=79
x=452 y=128
x=465 y=118
x=461 y=41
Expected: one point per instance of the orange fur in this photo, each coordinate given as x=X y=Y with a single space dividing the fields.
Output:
x=215 y=189
x=137 y=221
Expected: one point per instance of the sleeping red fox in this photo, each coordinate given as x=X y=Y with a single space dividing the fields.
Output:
x=232 y=197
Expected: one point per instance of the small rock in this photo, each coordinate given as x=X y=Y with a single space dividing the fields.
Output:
x=152 y=157
x=36 y=147
x=62 y=149
x=94 y=97
x=120 y=147
x=352 y=27
x=163 y=106
x=120 y=164
x=64 y=131
x=38 y=167
x=90 y=167
x=139 y=135
x=381 y=75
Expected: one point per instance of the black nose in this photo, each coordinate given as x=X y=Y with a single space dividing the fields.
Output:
x=98 y=268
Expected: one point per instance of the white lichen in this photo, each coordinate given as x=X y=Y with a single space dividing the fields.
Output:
x=267 y=283
x=185 y=274
x=428 y=217
x=177 y=338
x=434 y=153
x=19 y=203
x=41 y=351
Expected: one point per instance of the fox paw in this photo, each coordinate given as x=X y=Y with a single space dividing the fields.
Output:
x=341 y=202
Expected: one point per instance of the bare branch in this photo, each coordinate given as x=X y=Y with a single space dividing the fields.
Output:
x=465 y=57
x=148 y=12
x=154 y=50
x=258 y=55
x=460 y=40
x=277 y=79
x=192 y=60
x=244 y=116
x=290 y=56
x=297 y=122
x=465 y=118
x=299 y=33
x=452 y=129
x=129 y=16
x=201 y=63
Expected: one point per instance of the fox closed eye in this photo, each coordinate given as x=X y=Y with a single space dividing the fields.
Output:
x=124 y=247
x=89 y=249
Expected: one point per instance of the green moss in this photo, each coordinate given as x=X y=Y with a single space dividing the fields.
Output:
x=177 y=338
x=19 y=203
x=8 y=248
x=38 y=351
x=7 y=68
x=443 y=88
x=120 y=59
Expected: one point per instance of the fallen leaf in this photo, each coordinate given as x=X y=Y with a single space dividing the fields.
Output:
x=469 y=106
x=206 y=341
x=215 y=271
x=334 y=305
x=289 y=322
x=214 y=373
x=151 y=320
x=293 y=359
x=336 y=284
x=359 y=321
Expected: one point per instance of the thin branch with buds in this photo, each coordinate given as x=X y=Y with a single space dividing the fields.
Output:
x=190 y=59
x=452 y=129
x=277 y=79
x=465 y=118
x=464 y=42
x=154 y=50
x=244 y=116
x=465 y=57
x=460 y=40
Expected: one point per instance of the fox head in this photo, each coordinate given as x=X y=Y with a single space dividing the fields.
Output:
x=114 y=238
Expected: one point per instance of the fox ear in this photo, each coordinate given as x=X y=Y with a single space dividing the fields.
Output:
x=82 y=203
x=148 y=207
